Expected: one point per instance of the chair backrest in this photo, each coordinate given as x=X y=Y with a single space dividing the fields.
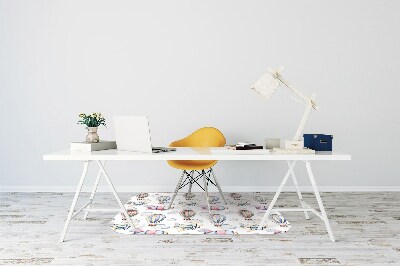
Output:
x=203 y=137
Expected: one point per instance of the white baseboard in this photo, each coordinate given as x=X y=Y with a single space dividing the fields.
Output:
x=224 y=188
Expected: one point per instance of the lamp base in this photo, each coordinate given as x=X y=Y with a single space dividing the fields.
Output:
x=293 y=144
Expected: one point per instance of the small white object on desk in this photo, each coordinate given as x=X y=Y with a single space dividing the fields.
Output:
x=271 y=143
x=86 y=146
x=233 y=151
x=293 y=144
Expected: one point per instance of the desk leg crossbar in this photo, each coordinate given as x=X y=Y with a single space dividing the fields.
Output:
x=305 y=207
x=87 y=207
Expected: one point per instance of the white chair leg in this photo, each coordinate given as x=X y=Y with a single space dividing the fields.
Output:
x=298 y=192
x=206 y=191
x=218 y=186
x=176 y=190
x=191 y=180
x=320 y=204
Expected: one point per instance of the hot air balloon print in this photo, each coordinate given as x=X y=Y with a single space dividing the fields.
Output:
x=115 y=226
x=218 y=232
x=261 y=200
x=139 y=203
x=224 y=232
x=132 y=212
x=189 y=196
x=218 y=219
x=205 y=231
x=213 y=199
x=155 y=218
x=191 y=203
x=155 y=208
x=253 y=227
x=235 y=196
x=186 y=227
x=138 y=231
x=249 y=227
x=163 y=199
x=141 y=196
x=214 y=208
x=278 y=219
x=246 y=214
x=155 y=232
x=187 y=214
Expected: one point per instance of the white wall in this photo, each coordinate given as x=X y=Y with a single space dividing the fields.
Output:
x=188 y=64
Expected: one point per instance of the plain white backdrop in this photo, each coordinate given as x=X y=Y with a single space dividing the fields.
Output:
x=189 y=64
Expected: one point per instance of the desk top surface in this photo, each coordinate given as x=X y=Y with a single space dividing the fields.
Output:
x=193 y=154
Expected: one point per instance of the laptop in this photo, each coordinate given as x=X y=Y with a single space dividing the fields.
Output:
x=132 y=133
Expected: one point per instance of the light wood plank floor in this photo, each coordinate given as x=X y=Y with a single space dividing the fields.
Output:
x=366 y=226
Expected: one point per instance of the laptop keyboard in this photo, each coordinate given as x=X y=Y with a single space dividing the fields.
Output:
x=162 y=149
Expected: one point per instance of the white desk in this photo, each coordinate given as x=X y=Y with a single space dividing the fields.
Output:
x=100 y=157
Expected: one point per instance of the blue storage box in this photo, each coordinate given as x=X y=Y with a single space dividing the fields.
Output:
x=318 y=142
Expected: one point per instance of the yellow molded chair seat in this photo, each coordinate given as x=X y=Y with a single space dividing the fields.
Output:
x=203 y=137
x=194 y=170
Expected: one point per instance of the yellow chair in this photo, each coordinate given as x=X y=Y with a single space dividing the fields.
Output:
x=194 y=170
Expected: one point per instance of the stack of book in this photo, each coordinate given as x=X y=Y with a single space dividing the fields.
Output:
x=247 y=146
x=99 y=146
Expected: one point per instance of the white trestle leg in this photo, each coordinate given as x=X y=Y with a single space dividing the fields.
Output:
x=304 y=206
x=298 y=191
x=320 y=204
x=96 y=184
x=103 y=171
x=271 y=205
x=71 y=210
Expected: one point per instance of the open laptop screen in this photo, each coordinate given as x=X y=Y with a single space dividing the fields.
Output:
x=132 y=133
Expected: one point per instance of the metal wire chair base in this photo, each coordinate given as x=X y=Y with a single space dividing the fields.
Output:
x=192 y=177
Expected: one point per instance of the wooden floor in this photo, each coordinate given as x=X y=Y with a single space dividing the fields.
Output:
x=366 y=226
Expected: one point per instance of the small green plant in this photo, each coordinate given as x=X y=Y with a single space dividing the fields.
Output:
x=93 y=120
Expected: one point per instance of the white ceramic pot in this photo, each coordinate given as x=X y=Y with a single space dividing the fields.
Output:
x=92 y=136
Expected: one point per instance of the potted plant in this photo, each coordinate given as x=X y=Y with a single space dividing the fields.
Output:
x=92 y=123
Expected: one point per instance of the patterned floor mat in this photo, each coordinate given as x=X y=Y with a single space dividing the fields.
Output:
x=189 y=215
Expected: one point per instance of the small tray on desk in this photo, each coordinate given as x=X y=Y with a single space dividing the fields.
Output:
x=232 y=151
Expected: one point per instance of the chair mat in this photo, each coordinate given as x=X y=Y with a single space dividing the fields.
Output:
x=189 y=214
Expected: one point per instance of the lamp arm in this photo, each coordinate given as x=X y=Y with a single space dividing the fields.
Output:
x=296 y=91
x=305 y=117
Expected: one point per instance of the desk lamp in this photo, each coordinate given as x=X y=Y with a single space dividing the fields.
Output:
x=266 y=86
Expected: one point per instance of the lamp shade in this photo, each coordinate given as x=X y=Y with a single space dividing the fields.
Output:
x=266 y=85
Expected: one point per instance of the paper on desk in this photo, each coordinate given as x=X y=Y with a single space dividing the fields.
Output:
x=232 y=151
